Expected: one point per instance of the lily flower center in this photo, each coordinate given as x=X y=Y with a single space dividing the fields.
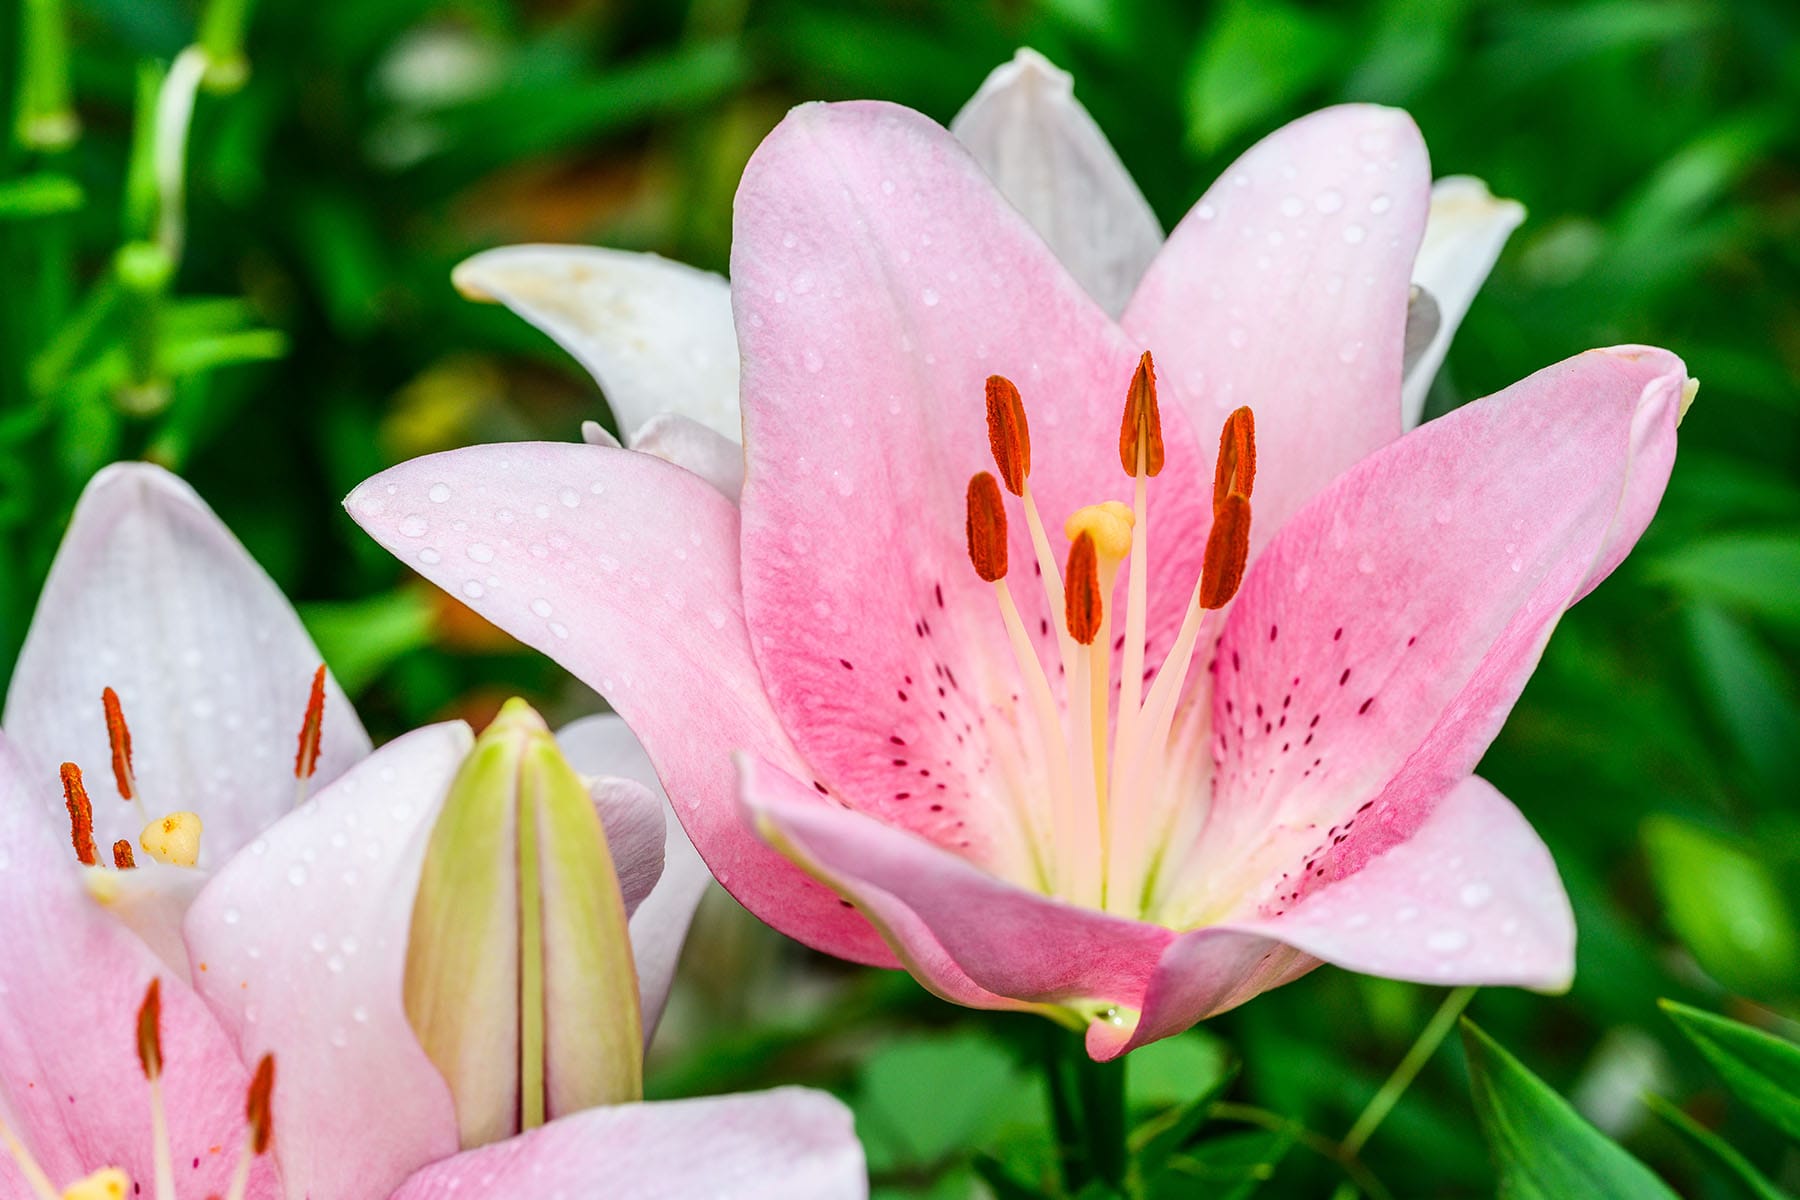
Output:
x=113 y=1183
x=1109 y=769
x=172 y=838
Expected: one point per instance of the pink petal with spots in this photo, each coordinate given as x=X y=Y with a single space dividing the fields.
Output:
x=1285 y=289
x=1472 y=897
x=954 y=924
x=879 y=279
x=299 y=945
x=785 y=1144
x=71 y=982
x=1380 y=641
x=624 y=569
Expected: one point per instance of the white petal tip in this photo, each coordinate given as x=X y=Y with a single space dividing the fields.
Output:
x=1466 y=198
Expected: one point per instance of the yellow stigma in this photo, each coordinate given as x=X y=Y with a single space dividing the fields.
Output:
x=174 y=839
x=108 y=1183
x=1109 y=524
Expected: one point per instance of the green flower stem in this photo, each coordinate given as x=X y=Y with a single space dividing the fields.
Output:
x=1087 y=1106
x=222 y=43
x=1382 y=1103
x=45 y=117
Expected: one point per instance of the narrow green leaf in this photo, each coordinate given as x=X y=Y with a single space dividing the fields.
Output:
x=1761 y=1069
x=1733 y=1169
x=1542 y=1149
x=1754 y=572
x=1255 y=58
x=41 y=195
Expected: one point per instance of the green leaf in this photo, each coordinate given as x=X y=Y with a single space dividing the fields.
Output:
x=362 y=638
x=1257 y=56
x=1541 y=1147
x=1761 y=1069
x=41 y=195
x=1741 y=1178
x=1157 y=1140
x=924 y=1100
x=1726 y=906
x=1225 y=1168
x=1754 y=572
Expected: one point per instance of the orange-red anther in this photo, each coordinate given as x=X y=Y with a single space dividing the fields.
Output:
x=257 y=1111
x=1008 y=435
x=119 y=735
x=149 y=1031
x=1140 y=431
x=81 y=816
x=122 y=856
x=1081 y=590
x=987 y=528
x=1227 y=549
x=1236 y=470
x=306 y=759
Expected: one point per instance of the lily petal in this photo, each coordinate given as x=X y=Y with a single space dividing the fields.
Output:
x=1380 y=641
x=151 y=595
x=1046 y=154
x=70 y=987
x=685 y=442
x=786 y=1144
x=299 y=945
x=968 y=926
x=625 y=569
x=655 y=334
x=1464 y=233
x=632 y=816
x=603 y=745
x=864 y=384
x=1285 y=288
x=1472 y=897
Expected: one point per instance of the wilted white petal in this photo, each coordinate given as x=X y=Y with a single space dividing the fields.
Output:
x=1046 y=154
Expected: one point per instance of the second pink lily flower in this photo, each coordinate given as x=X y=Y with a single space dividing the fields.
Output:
x=884 y=756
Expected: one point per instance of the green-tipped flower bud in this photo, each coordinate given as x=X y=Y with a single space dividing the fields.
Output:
x=519 y=977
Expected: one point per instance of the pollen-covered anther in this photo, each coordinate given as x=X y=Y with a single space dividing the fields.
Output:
x=257 y=1111
x=108 y=1183
x=149 y=1032
x=306 y=758
x=122 y=856
x=1140 y=430
x=1008 y=435
x=1236 y=468
x=81 y=815
x=987 y=528
x=1109 y=524
x=1227 y=549
x=118 y=735
x=173 y=839
x=1081 y=590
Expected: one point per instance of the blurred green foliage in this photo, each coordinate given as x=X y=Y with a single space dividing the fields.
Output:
x=289 y=328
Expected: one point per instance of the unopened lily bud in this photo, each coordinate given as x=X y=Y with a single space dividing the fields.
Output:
x=519 y=977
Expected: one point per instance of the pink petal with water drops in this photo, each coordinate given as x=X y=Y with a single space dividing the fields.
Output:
x=625 y=569
x=1285 y=288
x=299 y=944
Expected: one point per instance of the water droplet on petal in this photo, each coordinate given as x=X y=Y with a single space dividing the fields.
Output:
x=1474 y=895
x=1447 y=941
x=439 y=493
x=414 y=525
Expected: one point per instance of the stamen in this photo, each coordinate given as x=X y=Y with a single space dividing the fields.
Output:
x=306 y=758
x=149 y=1045
x=174 y=839
x=1008 y=435
x=987 y=528
x=81 y=816
x=1140 y=432
x=1236 y=468
x=28 y=1166
x=123 y=859
x=108 y=1183
x=1081 y=590
x=1227 y=549
x=119 y=735
x=261 y=1122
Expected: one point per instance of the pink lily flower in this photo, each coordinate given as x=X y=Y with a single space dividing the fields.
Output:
x=1075 y=767
x=657 y=335
x=297 y=949
x=167 y=670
